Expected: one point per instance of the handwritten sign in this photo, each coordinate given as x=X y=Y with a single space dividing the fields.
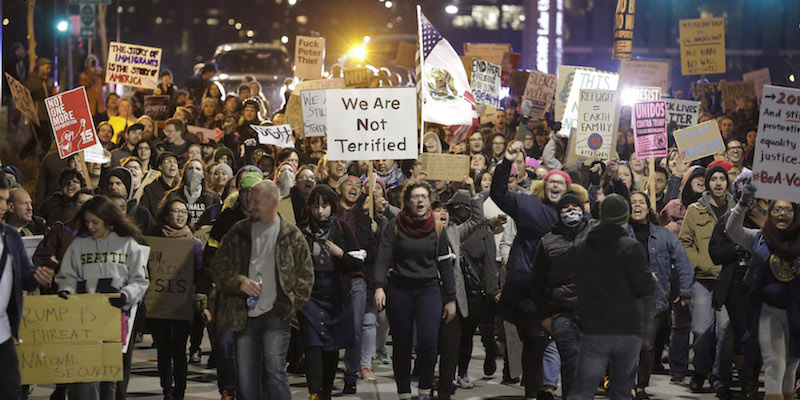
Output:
x=597 y=123
x=357 y=77
x=372 y=124
x=490 y=52
x=682 y=112
x=22 y=99
x=286 y=210
x=776 y=162
x=133 y=65
x=294 y=106
x=309 y=57
x=157 y=107
x=650 y=129
x=702 y=46
x=732 y=91
x=623 y=29
x=96 y=154
x=314 y=123
x=445 y=167
x=700 y=140
x=71 y=120
x=584 y=79
x=59 y=363
x=485 y=83
x=277 y=135
x=566 y=74
x=759 y=77
x=31 y=243
x=517 y=82
x=539 y=92
x=171 y=289
x=648 y=73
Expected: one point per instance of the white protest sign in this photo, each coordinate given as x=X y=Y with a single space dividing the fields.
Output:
x=309 y=57
x=566 y=74
x=584 y=79
x=485 y=83
x=314 y=112
x=96 y=154
x=644 y=93
x=776 y=162
x=31 y=243
x=372 y=124
x=133 y=65
x=644 y=73
x=597 y=123
x=682 y=112
x=759 y=77
x=276 y=135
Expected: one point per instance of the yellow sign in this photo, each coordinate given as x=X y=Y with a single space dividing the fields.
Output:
x=58 y=363
x=702 y=46
x=445 y=167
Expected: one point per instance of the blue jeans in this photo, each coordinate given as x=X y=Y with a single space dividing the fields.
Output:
x=551 y=365
x=261 y=358
x=568 y=340
x=352 y=355
x=224 y=349
x=619 y=352
x=708 y=327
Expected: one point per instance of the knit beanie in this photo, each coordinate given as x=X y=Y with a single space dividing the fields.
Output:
x=225 y=168
x=614 y=210
x=249 y=179
x=568 y=198
x=723 y=163
x=558 y=172
x=711 y=170
x=125 y=176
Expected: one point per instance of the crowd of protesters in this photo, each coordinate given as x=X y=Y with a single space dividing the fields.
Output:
x=604 y=267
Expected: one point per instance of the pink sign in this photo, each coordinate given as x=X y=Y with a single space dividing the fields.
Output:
x=650 y=129
x=72 y=121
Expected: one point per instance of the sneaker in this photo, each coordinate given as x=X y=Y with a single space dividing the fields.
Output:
x=383 y=356
x=676 y=380
x=367 y=373
x=464 y=383
x=696 y=384
x=490 y=363
x=349 y=385
x=194 y=357
x=640 y=394
x=724 y=393
x=225 y=396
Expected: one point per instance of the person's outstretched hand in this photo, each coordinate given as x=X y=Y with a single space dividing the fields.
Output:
x=748 y=194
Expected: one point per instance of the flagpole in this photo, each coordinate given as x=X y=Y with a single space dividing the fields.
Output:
x=421 y=74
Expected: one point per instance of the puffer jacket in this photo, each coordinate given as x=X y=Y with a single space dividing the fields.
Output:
x=230 y=266
x=695 y=236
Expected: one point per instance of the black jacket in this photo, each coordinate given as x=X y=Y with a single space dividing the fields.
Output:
x=480 y=251
x=733 y=259
x=153 y=193
x=54 y=208
x=341 y=235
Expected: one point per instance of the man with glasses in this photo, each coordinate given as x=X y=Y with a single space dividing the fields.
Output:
x=153 y=193
x=734 y=150
x=174 y=140
x=475 y=143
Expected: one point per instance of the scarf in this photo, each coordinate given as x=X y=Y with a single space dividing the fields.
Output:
x=392 y=178
x=319 y=232
x=416 y=228
x=783 y=243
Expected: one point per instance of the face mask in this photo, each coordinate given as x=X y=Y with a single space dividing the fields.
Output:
x=193 y=178
x=571 y=218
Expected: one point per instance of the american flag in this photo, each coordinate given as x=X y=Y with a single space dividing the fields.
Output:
x=430 y=36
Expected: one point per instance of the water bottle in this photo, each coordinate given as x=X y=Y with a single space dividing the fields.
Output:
x=253 y=300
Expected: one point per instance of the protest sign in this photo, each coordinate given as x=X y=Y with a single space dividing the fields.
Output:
x=313 y=112
x=485 y=83
x=372 y=124
x=649 y=73
x=357 y=77
x=776 y=162
x=22 y=99
x=642 y=93
x=566 y=74
x=650 y=129
x=59 y=363
x=583 y=79
x=539 y=91
x=157 y=107
x=703 y=88
x=702 y=46
x=510 y=63
x=30 y=243
x=71 y=120
x=205 y=134
x=623 y=29
x=517 y=82
x=406 y=53
x=171 y=291
x=732 y=91
x=276 y=135
x=699 y=141
x=286 y=210
x=490 y=52
x=445 y=167
x=597 y=123
x=759 y=77
x=96 y=154
x=309 y=57
x=133 y=65
x=682 y=112
x=294 y=106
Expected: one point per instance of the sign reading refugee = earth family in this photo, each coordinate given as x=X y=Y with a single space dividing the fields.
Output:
x=597 y=123
x=776 y=161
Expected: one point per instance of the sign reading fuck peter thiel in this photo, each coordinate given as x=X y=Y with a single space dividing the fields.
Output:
x=776 y=162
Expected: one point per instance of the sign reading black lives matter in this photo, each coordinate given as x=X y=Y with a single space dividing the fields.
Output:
x=372 y=124
x=776 y=162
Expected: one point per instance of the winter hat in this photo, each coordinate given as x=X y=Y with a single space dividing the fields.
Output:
x=712 y=170
x=223 y=151
x=249 y=179
x=614 y=210
x=135 y=127
x=344 y=179
x=125 y=176
x=225 y=168
x=531 y=162
x=687 y=196
x=558 y=172
x=723 y=163
x=569 y=198
x=165 y=155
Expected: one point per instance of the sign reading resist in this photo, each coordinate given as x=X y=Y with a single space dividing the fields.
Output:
x=372 y=124
x=278 y=135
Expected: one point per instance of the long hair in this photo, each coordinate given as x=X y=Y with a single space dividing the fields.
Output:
x=103 y=208
x=651 y=215
x=164 y=210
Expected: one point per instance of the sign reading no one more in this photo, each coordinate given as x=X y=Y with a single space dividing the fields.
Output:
x=372 y=124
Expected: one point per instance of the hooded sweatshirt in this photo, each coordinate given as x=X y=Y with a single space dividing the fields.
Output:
x=142 y=217
x=675 y=210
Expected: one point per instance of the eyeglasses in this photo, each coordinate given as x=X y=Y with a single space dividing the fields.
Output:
x=730 y=148
x=306 y=178
x=781 y=210
x=179 y=211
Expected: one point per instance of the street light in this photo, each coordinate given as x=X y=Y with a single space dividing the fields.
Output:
x=250 y=33
x=284 y=39
x=292 y=2
x=451 y=9
x=5 y=21
x=388 y=4
x=62 y=25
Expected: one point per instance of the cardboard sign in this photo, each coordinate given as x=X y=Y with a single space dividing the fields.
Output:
x=682 y=112
x=157 y=107
x=700 y=89
x=597 y=123
x=31 y=243
x=73 y=363
x=517 y=82
x=286 y=210
x=445 y=167
x=294 y=106
x=776 y=162
x=406 y=55
x=702 y=46
x=700 y=140
x=539 y=92
x=566 y=74
x=171 y=291
x=759 y=77
x=133 y=65
x=650 y=129
x=583 y=79
x=205 y=134
x=372 y=124
x=314 y=122
x=623 y=29
x=485 y=83
x=22 y=99
x=71 y=120
x=644 y=73
x=732 y=91
x=357 y=77
x=309 y=57
x=490 y=52
x=277 y=135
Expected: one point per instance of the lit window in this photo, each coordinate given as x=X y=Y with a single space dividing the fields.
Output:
x=486 y=17
x=463 y=21
x=513 y=17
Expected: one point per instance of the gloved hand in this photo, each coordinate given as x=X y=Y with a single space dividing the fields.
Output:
x=118 y=302
x=63 y=294
x=748 y=194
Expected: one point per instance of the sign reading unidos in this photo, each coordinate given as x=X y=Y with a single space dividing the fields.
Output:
x=372 y=124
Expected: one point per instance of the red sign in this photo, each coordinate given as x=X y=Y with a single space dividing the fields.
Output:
x=72 y=121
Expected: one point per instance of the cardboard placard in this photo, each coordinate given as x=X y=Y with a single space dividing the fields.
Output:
x=683 y=112
x=623 y=29
x=517 y=82
x=700 y=140
x=510 y=63
x=759 y=77
x=276 y=135
x=702 y=46
x=372 y=124
x=445 y=167
x=700 y=89
x=357 y=77
x=583 y=79
x=171 y=291
x=314 y=120
x=133 y=65
x=309 y=57
x=566 y=74
x=82 y=318
x=490 y=52
x=776 y=162
x=22 y=99
x=597 y=123
x=206 y=134
x=485 y=83
x=650 y=129
x=286 y=210
x=31 y=243
x=539 y=92
x=294 y=106
x=157 y=107
x=71 y=120
x=732 y=91
x=406 y=55
x=649 y=73
x=73 y=363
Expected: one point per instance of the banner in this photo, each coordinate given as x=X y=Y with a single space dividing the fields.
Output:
x=583 y=79
x=276 y=135
x=776 y=162
x=644 y=73
x=702 y=46
x=700 y=140
x=732 y=91
x=314 y=123
x=372 y=124
x=650 y=129
x=623 y=29
x=489 y=52
x=485 y=83
x=133 y=65
x=309 y=57
x=682 y=112
x=445 y=167
x=171 y=291
x=759 y=77
x=357 y=77
x=157 y=107
x=539 y=92
x=22 y=99
x=71 y=120
x=597 y=123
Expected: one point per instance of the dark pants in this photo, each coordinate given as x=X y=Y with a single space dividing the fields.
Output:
x=449 y=334
x=619 y=353
x=196 y=337
x=567 y=335
x=127 y=358
x=484 y=321
x=170 y=337
x=409 y=305
x=321 y=366
x=10 y=386
x=534 y=341
x=223 y=346
x=43 y=134
x=652 y=325
x=679 y=341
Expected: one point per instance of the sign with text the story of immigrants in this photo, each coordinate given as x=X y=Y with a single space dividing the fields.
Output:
x=702 y=46
x=597 y=123
x=623 y=29
x=171 y=291
x=776 y=162
x=699 y=141
x=71 y=120
x=650 y=129
x=133 y=65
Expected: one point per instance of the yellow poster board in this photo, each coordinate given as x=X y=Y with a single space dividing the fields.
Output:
x=55 y=363
x=445 y=167
x=702 y=46
x=700 y=140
